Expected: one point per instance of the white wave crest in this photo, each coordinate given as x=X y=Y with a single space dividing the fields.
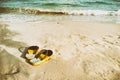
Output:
x=95 y=13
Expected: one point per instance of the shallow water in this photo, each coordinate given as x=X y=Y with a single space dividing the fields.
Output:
x=56 y=10
x=46 y=17
x=71 y=7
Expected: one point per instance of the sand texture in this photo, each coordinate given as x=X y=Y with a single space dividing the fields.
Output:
x=82 y=50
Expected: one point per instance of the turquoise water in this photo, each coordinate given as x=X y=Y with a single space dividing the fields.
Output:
x=111 y=5
x=78 y=10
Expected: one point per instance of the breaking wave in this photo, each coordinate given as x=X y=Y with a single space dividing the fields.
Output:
x=60 y=12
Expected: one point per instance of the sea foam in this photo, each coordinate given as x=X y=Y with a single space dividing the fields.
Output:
x=61 y=12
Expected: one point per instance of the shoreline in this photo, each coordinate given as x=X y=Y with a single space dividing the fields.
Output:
x=11 y=17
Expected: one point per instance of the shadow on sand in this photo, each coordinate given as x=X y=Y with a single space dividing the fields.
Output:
x=6 y=37
x=23 y=50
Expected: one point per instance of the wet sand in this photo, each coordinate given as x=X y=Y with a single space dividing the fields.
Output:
x=82 y=50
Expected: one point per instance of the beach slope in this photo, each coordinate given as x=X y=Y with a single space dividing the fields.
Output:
x=82 y=50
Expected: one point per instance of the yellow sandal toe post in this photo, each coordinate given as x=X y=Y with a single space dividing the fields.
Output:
x=31 y=52
x=42 y=57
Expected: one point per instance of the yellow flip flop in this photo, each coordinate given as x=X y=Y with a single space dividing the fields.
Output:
x=31 y=52
x=43 y=56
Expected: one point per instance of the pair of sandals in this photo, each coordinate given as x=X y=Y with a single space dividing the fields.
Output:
x=36 y=56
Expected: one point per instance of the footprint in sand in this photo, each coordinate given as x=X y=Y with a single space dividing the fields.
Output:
x=118 y=36
x=112 y=39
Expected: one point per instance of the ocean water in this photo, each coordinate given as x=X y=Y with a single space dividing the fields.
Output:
x=111 y=5
x=62 y=8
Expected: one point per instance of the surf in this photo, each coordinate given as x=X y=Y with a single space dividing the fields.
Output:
x=60 y=12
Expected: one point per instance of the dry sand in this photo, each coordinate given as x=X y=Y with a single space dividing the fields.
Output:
x=82 y=50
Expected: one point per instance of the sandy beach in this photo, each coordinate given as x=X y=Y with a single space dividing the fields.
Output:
x=82 y=50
